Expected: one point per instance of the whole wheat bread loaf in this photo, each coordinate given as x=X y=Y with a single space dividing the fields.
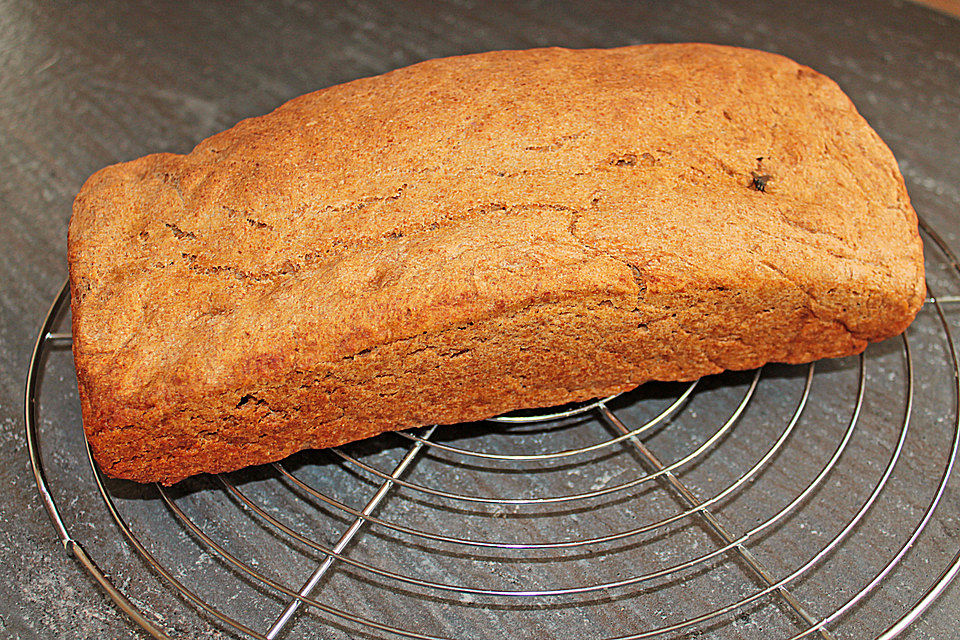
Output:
x=478 y=234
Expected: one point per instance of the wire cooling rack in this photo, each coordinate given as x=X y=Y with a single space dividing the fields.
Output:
x=788 y=502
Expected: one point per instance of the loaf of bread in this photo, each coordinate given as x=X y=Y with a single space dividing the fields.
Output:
x=473 y=235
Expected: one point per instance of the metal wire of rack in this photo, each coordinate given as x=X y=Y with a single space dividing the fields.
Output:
x=754 y=518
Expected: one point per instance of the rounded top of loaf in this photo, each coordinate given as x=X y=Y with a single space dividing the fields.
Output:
x=457 y=189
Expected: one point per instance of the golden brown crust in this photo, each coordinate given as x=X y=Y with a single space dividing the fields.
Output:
x=477 y=234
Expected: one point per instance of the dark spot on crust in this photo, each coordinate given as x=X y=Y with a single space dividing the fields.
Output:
x=630 y=159
x=258 y=224
x=760 y=180
x=179 y=233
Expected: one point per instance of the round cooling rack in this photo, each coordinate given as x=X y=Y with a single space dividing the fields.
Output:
x=812 y=501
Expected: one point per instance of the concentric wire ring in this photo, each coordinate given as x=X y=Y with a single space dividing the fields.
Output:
x=734 y=545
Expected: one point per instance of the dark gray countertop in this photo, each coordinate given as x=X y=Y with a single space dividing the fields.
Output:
x=87 y=84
